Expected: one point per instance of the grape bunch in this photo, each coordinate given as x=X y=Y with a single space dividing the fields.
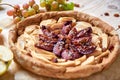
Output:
x=28 y=9
x=56 y=5
x=31 y=8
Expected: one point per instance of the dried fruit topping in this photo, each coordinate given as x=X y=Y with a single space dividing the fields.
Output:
x=67 y=43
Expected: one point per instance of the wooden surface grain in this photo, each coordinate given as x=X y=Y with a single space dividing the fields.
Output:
x=93 y=7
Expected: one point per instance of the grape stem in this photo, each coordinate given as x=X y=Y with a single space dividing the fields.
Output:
x=7 y=4
x=76 y=5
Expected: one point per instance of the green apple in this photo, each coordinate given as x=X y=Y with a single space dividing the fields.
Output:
x=3 y=67
x=5 y=54
x=6 y=57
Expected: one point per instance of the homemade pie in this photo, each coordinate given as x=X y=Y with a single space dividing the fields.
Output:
x=66 y=44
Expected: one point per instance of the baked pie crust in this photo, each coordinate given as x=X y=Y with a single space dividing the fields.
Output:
x=23 y=36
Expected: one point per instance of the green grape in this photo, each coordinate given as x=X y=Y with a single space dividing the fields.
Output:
x=48 y=7
x=70 y=6
x=16 y=19
x=61 y=7
x=42 y=3
x=54 y=5
x=61 y=1
x=31 y=11
x=25 y=13
x=35 y=7
x=22 y=18
x=49 y=1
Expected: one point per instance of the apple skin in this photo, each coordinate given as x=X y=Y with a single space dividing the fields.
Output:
x=8 y=63
x=3 y=68
x=7 y=66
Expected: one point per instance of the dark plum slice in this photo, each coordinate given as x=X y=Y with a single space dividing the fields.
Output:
x=66 y=29
x=84 y=32
x=43 y=37
x=72 y=33
x=86 y=49
x=82 y=40
x=45 y=30
x=45 y=46
x=58 y=48
x=47 y=39
x=70 y=54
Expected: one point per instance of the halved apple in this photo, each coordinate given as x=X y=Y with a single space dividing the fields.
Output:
x=3 y=67
x=5 y=54
x=6 y=57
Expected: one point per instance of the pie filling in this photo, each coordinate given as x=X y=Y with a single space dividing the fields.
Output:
x=64 y=42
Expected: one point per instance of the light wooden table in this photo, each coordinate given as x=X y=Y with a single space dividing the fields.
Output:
x=93 y=7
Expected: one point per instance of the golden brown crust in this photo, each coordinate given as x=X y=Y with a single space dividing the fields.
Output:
x=42 y=68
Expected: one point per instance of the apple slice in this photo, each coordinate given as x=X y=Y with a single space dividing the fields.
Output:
x=3 y=67
x=82 y=25
x=5 y=54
